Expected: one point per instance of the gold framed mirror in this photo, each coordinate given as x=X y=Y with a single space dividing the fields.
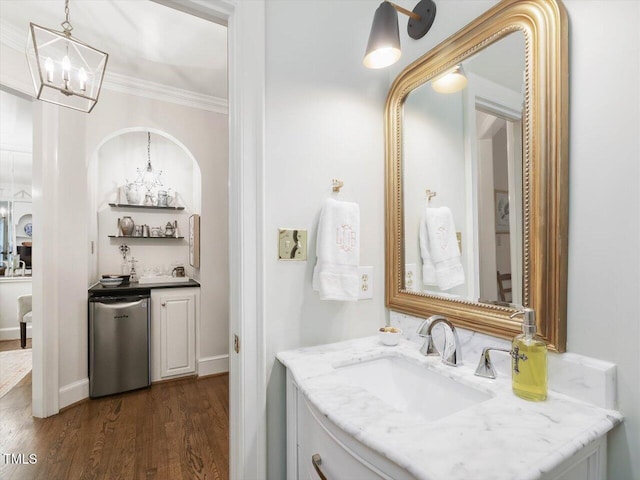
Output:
x=520 y=200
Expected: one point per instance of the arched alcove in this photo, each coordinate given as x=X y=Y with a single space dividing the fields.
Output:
x=117 y=161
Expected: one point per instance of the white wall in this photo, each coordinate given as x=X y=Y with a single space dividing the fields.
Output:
x=604 y=272
x=324 y=119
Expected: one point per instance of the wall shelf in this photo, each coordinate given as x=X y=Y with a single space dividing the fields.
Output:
x=145 y=238
x=152 y=207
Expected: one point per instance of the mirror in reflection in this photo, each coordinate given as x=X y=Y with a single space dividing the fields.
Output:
x=16 y=227
x=462 y=140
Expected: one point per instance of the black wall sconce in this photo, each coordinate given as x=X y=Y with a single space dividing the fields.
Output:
x=383 y=48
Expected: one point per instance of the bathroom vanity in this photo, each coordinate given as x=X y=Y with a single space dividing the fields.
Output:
x=362 y=410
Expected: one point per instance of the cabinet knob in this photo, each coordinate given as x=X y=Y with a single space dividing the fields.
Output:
x=163 y=304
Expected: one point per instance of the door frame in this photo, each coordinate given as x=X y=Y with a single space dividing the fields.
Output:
x=247 y=368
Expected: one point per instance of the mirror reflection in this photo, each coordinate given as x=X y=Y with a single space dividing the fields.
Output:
x=16 y=226
x=462 y=178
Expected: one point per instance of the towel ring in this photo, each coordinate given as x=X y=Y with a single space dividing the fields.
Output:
x=336 y=184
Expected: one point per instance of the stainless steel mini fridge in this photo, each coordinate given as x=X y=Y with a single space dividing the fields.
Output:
x=118 y=344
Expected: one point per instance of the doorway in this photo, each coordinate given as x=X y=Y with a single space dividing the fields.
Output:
x=16 y=231
x=499 y=204
x=246 y=80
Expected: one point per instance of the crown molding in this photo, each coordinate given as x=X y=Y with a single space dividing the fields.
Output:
x=16 y=39
x=117 y=82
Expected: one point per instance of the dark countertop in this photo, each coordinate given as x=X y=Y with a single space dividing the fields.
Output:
x=136 y=288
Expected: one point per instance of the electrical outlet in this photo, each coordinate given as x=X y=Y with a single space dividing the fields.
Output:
x=411 y=277
x=366 y=283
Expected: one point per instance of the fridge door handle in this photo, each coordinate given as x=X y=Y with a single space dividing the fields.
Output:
x=120 y=306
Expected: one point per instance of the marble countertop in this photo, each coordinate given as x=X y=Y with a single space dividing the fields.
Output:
x=504 y=437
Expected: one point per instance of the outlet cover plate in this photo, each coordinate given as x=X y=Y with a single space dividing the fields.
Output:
x=292 y=244
x=366 y=283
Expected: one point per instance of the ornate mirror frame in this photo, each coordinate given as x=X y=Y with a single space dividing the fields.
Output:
x=545 y=170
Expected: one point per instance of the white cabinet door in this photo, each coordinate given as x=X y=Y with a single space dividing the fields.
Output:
x=173 y=331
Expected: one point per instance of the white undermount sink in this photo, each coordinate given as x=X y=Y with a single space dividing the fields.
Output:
x=412 y=388
x=162 y=279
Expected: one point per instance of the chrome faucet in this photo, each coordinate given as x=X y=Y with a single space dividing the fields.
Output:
x=453 y=358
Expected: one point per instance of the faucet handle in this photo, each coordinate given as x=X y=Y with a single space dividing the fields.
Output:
x=485 y=366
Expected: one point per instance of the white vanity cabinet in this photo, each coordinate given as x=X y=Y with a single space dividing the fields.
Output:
x=590 y=463
x=310 y=434
x=174 y=314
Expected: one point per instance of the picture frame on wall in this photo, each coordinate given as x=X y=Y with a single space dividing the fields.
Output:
x=502 y=211
x=194 y=240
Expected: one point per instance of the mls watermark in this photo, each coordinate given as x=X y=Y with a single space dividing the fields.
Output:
x=19 y=458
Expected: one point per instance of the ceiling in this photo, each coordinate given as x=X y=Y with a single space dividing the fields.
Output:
x=145 y=40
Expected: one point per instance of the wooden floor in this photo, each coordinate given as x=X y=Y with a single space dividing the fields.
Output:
x=6 y=345
x=175 y=430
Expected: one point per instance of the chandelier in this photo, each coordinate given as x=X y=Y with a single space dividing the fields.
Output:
x=147 y=177
x=64 y=70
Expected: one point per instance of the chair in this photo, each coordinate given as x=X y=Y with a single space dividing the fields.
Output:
x=24 y=317
x=502 y=290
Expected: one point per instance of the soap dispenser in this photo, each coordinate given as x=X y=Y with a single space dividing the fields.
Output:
x=529 y=360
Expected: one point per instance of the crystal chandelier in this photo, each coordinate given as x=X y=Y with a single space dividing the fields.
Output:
x=65 y=71
x=147 y=177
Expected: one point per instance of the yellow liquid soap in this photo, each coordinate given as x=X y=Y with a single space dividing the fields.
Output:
x=529 y=368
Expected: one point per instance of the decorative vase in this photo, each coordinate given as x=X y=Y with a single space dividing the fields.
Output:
x=133 y=194
x=127 y=225
x=162 y=198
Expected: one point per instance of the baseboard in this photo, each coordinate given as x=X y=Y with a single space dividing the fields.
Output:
x=73 y=393
x=76 y=391
x=13 y=333
x=213 y=365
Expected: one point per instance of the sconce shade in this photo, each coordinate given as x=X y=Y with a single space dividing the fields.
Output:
x=383 y=48
x=451 y=82
x=64 y=70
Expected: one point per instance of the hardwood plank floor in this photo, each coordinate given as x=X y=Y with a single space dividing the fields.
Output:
x=174 y=430
x=6 y=345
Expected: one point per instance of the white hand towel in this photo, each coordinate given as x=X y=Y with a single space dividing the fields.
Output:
x=443 y=247
x=428 y=268
x=338 y=250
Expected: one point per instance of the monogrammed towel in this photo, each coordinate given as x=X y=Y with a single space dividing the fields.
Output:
x=443 y=250
x=335 y=275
